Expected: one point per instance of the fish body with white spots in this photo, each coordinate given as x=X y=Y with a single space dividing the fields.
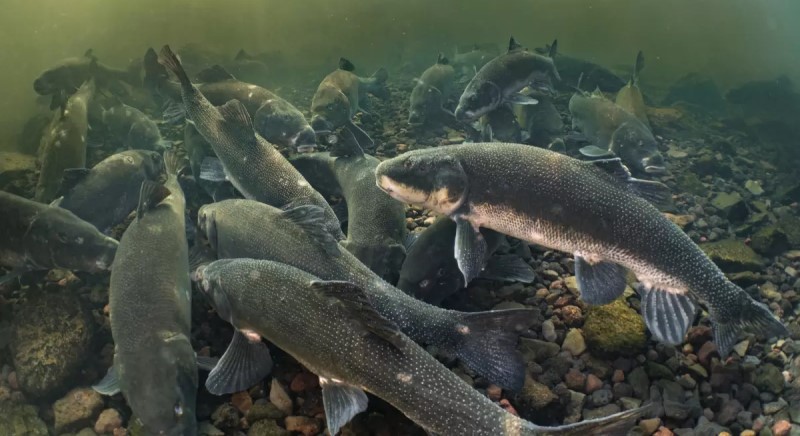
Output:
x=253 y=165
x=594 y=210
x=64 y=142
x=339 y=336
x=36 y=237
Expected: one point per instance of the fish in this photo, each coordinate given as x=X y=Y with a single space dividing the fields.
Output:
x=595 y=210
x=64 y=142
x=106 y=194
x=133 y=128
x=67 y=76
x=154 y=367
x=484 y=341
x=541 y=123
x=252 y=164
x=431 y=92
x=500 y=125
x=274 y=118
x=341 y=94
x=470 y=61
x=591 y=75
x=344 y=340
x=376 y=224
x=39 y=237
x=615 y=132
x=500 y=81
x=430 y=271
x=630 y=96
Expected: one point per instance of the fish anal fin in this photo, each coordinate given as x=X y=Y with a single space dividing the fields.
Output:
x=341 y=402
x=667 y=313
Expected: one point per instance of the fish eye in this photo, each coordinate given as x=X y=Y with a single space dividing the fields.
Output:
x=424 y=283
x=440 y=272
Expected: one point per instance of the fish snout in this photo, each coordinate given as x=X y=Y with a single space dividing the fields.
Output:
x=320 y=124
x=654 y=165
x=40 y=86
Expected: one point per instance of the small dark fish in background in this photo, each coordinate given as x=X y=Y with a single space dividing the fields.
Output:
x=108 y=192
x=353 y=348
x=500 y=125
x=150 y=295
x=468 y=62
x=39 y=237
x=594 y=210
x=541 y=123
x=132 y=128
x=341 y=94
x=500 y=81
x=64 y=142
x=591 y=75
x=431 y=92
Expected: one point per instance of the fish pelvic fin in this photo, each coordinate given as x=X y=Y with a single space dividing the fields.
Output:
x=752 y=315
x=486 y=342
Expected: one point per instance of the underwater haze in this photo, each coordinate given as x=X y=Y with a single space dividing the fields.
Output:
x=731 y=41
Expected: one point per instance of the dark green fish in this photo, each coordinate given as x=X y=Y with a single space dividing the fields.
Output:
x=431 y=92
x=333 y=329
x=594 y=210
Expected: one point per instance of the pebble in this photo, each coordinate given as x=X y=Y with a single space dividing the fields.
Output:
x=574 y=343
x=774 y=407
x=649 y=426
x=494 y=392
x=76 y=409
x=549 y=331
x=225 y=416
x=572 y=315
x=108 y=421
x=303 y=381
x=242 y=401
x=575 y=380
x=618 y=376
x=593 y=383
x=781 y=428
x=279 y=397
x=600 y=397
x=302 y=424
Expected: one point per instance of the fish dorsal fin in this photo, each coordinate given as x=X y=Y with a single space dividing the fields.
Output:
x=637 y=68
x=346 y=65
x=241 y=55
x=342 y=402
x=236 y=113
x=214 y=73
x=442 y=59
x=150 y=194
x=90 y=54
x=513 y=44
x=656 y=193
x=357 y=304
x=552 y=49
x=598 y=93
x=311 y=219
x=70 y=178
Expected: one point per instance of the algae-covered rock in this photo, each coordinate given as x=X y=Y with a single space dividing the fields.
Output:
x=731 y=255
x=770 y=240
x=267 y=427
x=689 y=182
x=77 y=409
x=731 y=205
x=536 y=395
x=614 y=328
x=20 y=419
x=52 y=337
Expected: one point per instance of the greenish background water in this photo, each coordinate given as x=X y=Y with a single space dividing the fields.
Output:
x=731 y=40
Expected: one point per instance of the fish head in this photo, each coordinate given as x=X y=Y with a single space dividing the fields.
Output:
x=634 y=143
x=210 y=279
x=153 y=164
x=426 y=178
x=480 y=97
x=51 y=80
x=305 y=140
x=330 y=109
x=59 y=239
x=207 y=224
x=283 y=125
x=162 y=388
x=425 y=100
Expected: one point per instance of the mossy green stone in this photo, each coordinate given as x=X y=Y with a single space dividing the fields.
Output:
x=731 y=255
x=614 y=329
x=20 y=419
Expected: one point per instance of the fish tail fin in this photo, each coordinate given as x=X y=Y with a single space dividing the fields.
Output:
x=154 y=72
x=376 y=84
x=752 y=315
x=637 y=67
x=616 y=424
x=170 y=61
x=487 y=343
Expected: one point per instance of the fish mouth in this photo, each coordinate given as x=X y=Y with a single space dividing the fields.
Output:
x=655 y=169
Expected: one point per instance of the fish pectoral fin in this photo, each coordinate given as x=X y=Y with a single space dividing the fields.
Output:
x=470 y=250
x=599 y=282
x=523 y=99
x=311 y=219
x=206 y=363
x=508 y=267
x=243 y=364
x=361 y=137
x=109 y=385
x=150 y=194
x=342 y=402
x=595 y=151
x=409 y=240
x=652 y=191
x=211 y=170
x=357 y=304
x=668 y=315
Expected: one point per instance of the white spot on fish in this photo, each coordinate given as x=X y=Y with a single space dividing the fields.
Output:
x=128 y=160
x=461 y=328
x=57 y=143
x=250 y=95
x=83 y=138
x=66 y=112
x=404 y=377
x=79 y=240
x=251 y=87
x=254 y=274
x=251 y=335
x=302 y=183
